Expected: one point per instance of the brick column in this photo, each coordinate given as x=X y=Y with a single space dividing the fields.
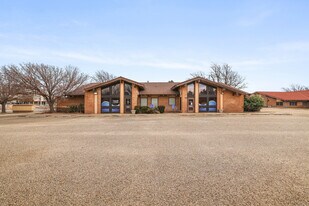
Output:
x=95 y=103
x=184 y=99
x=134 y=100
x=99 y=92
x=221 y=101
x=121 y=97
x=196 y=97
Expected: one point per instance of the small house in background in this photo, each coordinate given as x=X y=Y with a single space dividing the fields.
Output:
x=297 y=99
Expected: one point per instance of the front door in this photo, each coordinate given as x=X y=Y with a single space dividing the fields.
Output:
x=128 y=105
x=191 y=105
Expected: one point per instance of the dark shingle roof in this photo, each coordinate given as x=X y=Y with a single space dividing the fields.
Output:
x=158 y=88
x=81 y=90
x=211 y=83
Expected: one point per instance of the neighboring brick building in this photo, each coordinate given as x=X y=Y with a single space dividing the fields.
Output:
x=298 y=99
x=121 y=95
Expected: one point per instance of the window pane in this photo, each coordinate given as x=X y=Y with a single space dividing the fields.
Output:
x=115 y=102
x=203 y=101
x=171 y=101
x=105 y=102
x=127 y=89
x=212 y=102
x=154 y=102
x=212 y=90
x=203 y=104
x=106 y=91
x=143 y=102
x=203 y=89
x=116 y=89
x=191 y=90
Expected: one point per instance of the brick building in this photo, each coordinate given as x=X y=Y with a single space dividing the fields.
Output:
x=121 y=95
x=297 y=99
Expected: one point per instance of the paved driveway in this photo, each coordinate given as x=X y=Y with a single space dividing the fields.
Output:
x=167 y=159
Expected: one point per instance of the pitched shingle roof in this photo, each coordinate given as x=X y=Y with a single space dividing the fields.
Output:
x=211 y=83
x=158 y=88
x=288 y=96
x=113 y=81
x=80 y=90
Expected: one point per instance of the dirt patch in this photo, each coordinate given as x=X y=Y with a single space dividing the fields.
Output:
x=155 y=160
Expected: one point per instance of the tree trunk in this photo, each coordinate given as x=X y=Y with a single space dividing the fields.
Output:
x=3 y=107
x=51 y=106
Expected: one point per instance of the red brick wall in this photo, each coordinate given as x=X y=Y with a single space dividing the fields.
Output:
x=232 y=102
x=70 y=101
x=184 y=100
x=89 y=102
x=135 y=100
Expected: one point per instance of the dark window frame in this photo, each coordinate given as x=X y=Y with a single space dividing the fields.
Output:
x=293 y=104
x=127 y=96
x=174 y=101
x=146 y=100
x=110 y=98
x=188 y=93
x=211 y=92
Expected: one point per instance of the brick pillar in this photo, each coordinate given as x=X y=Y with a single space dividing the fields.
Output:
x=196 y=97
x=121 y=97
x=221 y=101
x=95 y=103
x=99 y=92
x=184 y=99
x=134 y=100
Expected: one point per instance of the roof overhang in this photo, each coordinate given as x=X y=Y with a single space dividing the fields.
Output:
x=211 y=83
x=110 y=82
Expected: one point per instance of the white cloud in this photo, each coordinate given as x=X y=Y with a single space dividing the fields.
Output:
x=123 y=60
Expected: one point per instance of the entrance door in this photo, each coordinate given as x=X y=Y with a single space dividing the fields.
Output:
x=128 y=105
x=191 y=105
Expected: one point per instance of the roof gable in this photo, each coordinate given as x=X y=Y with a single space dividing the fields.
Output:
x=97 y=85
x=211 y=83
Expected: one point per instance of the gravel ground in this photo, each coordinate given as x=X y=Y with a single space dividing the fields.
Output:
x=169 y=159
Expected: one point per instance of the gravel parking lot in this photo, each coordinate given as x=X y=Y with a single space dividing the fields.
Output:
x=168 y=159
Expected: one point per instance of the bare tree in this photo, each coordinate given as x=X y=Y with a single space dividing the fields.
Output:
x=198 y=74
x=102 y=76
x=226 y=75
x=223 y=74
x=48 y=81
x=295 y=87
x=9 y=88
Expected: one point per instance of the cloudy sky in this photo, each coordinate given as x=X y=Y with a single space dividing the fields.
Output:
x=160 y=40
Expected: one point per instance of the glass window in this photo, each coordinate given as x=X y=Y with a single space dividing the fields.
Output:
x=191 y=89
x=203 y=101
x=144 y=101
x=172 y=101
x=203 y=89
x=106 y=91
x=293 y=103
x=154 y=102
x=128 y=101
x=203 y=104
x=105 y=103
x=116 y=89
x=212 y=90
x=127 y=89
x=279 y=103
x=115 y=102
